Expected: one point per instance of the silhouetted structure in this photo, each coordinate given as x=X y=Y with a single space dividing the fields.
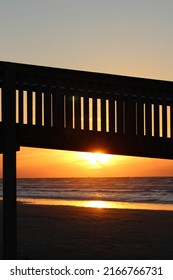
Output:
x=80 y=111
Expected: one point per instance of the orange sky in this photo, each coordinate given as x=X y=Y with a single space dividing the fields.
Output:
x=51 y=163
x=132 y=38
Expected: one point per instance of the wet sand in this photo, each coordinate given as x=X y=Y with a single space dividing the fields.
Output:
x=65 y=232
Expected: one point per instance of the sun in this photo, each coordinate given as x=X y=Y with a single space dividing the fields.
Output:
x=96 y=158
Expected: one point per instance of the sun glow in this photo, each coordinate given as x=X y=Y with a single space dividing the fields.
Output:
x=97 y=158
x=97 y=204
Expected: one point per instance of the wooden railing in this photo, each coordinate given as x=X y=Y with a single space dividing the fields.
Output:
x=80 y=111
x=67 y=109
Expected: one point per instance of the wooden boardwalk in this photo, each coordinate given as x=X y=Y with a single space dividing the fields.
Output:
x=79 y=111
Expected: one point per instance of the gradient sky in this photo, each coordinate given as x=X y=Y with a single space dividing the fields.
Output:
x=126 y=37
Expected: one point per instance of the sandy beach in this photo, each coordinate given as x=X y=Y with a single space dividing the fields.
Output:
x=62 y=232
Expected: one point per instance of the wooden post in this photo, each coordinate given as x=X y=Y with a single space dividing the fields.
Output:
x=9 y=162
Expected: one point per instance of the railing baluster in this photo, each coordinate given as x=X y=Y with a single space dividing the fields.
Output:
x=168 y=120
x=9 y=162
x=103 y=114
x=120 y=116
x=77 y=105
x=140 y=116
x=171 y=120
x=164 y=120
x=68 y=111
x=98 y=114
x=148 y=117
x=107 y=115
x=86 y=112
x=94 y=115
x=111 y=115
x=29 y=107
x=0 y=104
x=39 y=107
x=156 y=118
x=47 y=108
x=20 y=106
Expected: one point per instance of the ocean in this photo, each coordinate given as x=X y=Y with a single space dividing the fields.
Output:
x=138 y=192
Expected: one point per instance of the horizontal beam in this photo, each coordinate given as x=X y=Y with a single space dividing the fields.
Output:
x=90 y=141
x=26 y=73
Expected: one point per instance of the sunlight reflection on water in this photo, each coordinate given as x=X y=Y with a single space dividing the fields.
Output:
x=98 y=204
